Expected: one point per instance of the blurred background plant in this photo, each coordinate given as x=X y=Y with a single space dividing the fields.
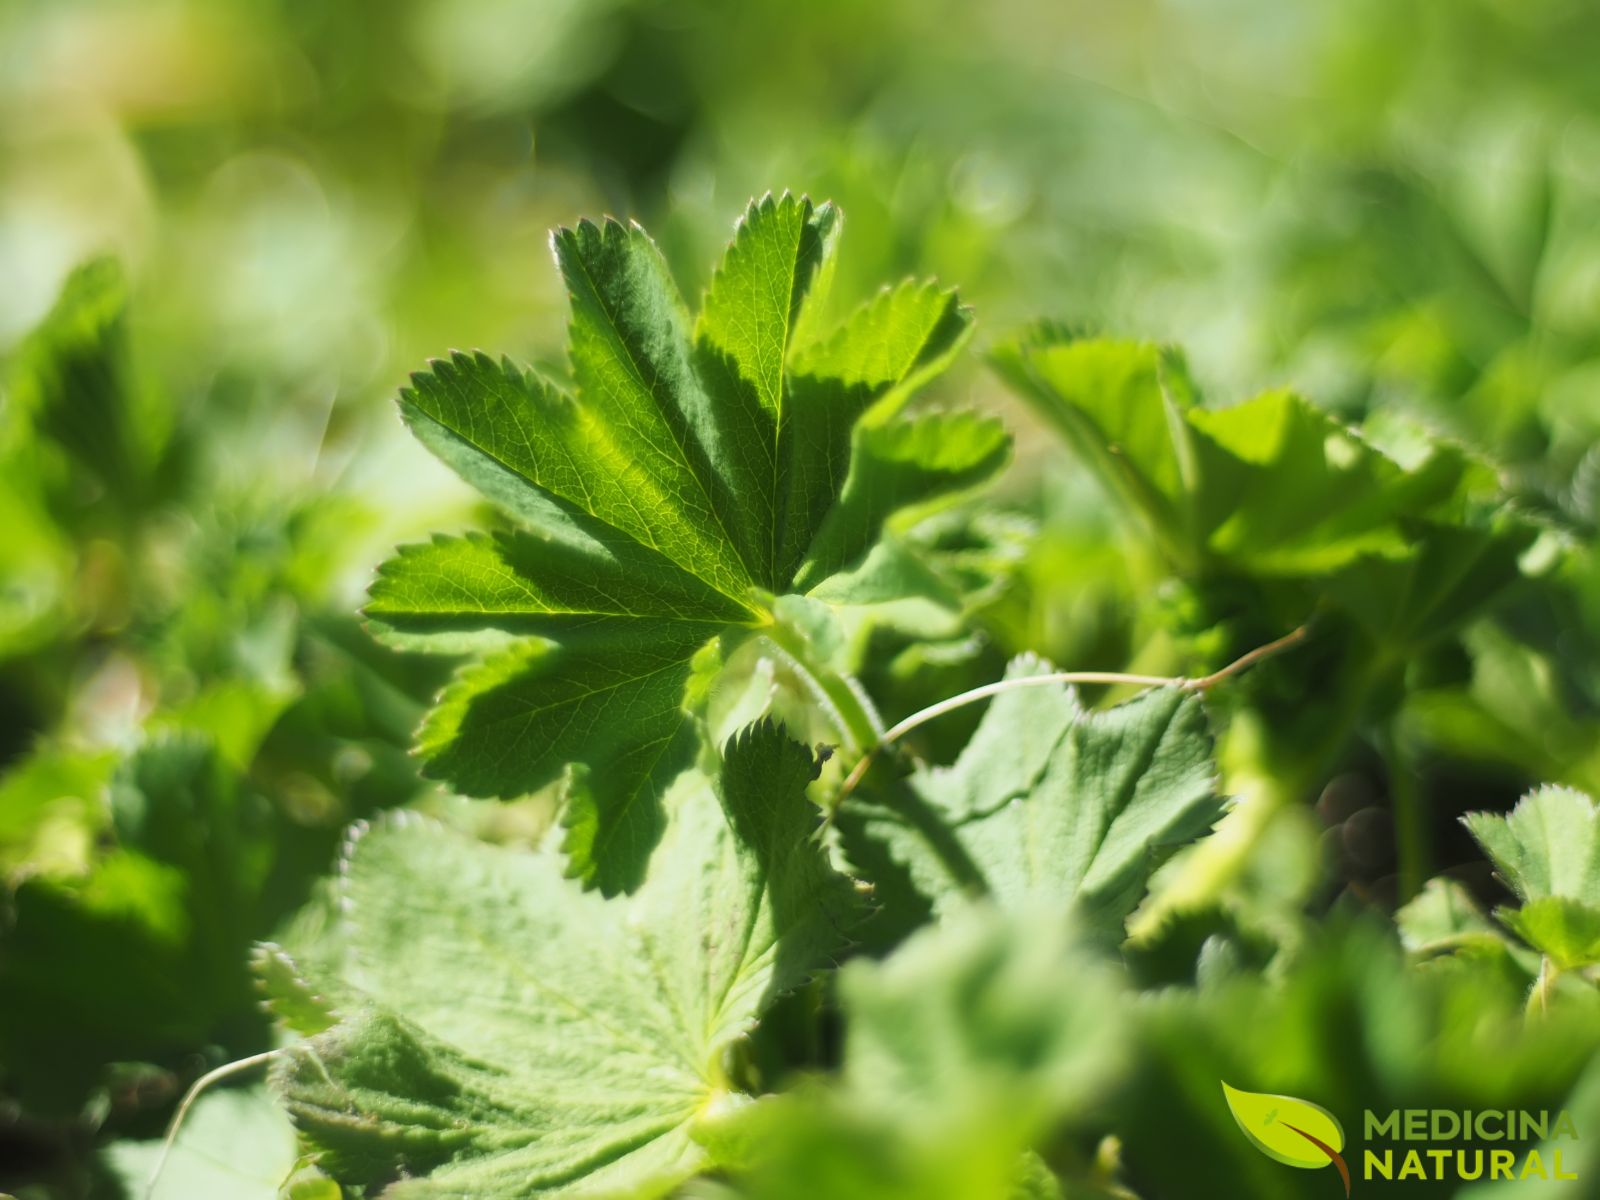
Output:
x=229 y=227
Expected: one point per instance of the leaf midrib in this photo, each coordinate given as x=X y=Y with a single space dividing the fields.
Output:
x=452 y=430
x=517 y=580
x=672 y=433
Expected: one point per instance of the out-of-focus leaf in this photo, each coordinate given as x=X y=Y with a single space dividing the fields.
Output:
x=169 y=914
x=509 y=1034
x=962 y=1048
x=235 y=1144
x=72 y=382
x=1348 y=1025
x=51 y=808
x=1275 y=488
x=1455 y=569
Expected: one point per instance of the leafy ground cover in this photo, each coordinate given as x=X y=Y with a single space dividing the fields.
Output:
x=772 y=724
x=690 y=909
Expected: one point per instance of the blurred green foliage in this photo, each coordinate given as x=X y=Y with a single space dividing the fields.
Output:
x=229 y=227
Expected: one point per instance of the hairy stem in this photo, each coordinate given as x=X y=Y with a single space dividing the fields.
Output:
x=226 y=1071
x=841 y=698
x=1112 y=678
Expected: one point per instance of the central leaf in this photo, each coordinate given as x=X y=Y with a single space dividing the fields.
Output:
x=699 y=469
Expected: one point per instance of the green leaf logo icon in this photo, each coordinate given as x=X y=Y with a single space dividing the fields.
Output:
x=1295 y=1132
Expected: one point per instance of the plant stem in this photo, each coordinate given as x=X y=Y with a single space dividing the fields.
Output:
x=1113 y=678
x=1539 y=997
x=193 y=1094
x=1265 y=783
x=841 y=697
x=1410 y=816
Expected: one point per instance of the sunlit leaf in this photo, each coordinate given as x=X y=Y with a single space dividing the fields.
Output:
x=700 y=468
x=1548 y=852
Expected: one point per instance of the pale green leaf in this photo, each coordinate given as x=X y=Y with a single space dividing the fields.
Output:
x=1547 y=850
x=1566 y=930
x=236 y=1144
x=518 y=1036
x=1548 y=845
x=1119 y=405
x=992 y=1003
x=1050 y=804
x=1444 y=917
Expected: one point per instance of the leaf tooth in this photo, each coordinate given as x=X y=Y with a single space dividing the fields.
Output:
x=347 y=850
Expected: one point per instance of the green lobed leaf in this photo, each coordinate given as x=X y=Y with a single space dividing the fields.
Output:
x=611 y=702
x=895 y=467
x=1277 y=488
x=1566 y=930
x=696 y=467
x=518 y=1036
x=1048 y=803
x=1548 y=845
x=747 y=325
x=1547 y=850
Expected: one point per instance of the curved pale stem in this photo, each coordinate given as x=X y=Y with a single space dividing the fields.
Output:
x=226 y=1071
x=1111 y=678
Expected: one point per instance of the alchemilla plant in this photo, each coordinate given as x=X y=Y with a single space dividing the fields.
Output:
x=772 y=943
